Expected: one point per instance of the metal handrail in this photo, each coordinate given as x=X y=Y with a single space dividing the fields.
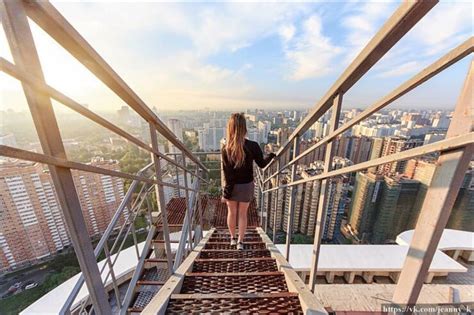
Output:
x=187 y=227
x=450 y=58
x=46 y=16
x=439 y=146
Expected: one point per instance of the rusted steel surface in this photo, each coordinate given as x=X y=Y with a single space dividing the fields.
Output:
x=272 y=305
x=228 y=246
x=213 y=254
x=236 y=284
x=176 y=209
x=238 y=265
x=226 y=280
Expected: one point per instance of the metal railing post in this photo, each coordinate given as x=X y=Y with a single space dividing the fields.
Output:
x=188 y=205
x=439 y=201
x=160 y=198
x=112 y=273
x=261 y=194
x=292 y=201
x=277 y=192
x=321 y=214
x=22 y=45
x=177 y=172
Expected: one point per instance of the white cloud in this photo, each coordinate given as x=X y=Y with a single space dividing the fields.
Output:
x=311 y=53
x=287 y=32
x=204 y=30
x=402 y=69
x=447 y=25
x=443 y=28
x=362 y=23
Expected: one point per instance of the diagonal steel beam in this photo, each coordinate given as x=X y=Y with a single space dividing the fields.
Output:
x=22 y=45
x=403 y=19
x=439 y=200
x=52 y=22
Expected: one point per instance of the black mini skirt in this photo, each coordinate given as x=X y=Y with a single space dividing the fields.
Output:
x=243 y=192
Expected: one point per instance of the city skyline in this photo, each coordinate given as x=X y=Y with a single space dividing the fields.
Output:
x=226 y=55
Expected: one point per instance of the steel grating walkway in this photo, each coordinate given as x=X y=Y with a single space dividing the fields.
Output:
x=217 y=278
x=225 y=280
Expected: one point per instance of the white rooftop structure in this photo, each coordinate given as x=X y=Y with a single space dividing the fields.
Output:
x=389 y=258
x=450 y=240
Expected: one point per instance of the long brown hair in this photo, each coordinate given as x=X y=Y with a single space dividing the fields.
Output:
x=236 y=132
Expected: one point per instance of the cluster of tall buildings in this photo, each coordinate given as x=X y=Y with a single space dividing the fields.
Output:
x=375 y=205
x=384 y=205
x=32 y=225
x=307 y=200
x=212 y=132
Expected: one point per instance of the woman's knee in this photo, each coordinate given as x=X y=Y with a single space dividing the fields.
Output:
x=244 y=206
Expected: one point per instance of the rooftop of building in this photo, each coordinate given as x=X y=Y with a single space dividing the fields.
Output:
x=389 y=258
x=450 y=239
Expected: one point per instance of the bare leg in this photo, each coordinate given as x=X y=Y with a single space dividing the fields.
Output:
x=231 y=216
x=243 y=208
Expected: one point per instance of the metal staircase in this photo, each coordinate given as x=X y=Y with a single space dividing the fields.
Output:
x=218 y=278
x=152 y=270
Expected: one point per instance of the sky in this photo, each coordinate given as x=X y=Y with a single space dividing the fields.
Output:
x=233 y=56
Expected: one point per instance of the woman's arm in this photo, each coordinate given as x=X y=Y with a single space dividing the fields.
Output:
x=259 y=159
x=228 y=184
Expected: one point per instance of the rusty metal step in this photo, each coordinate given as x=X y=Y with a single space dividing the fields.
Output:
x=226 y=245
x=235 y=265
x=257 y=282
x=226 y=238
x=226 y=231
x=248 y=253
x=275 y=303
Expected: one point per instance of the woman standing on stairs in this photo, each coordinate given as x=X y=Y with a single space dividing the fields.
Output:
x=238 y=155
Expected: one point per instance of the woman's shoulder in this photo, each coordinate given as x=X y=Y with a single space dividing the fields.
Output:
x=250 y=143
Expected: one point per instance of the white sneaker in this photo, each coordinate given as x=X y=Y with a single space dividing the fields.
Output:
x=233 y=242
x=240 y=246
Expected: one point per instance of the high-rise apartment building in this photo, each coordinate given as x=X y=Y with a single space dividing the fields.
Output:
x=375 y=151
x=392 y=145
x=306 y=203
x=363 y=207
x=31 y=222
x=462 y=214
x=209 y=138
x=176 y=126
x=381 y=206
x=384 y=206
x=394 y=207
x=337 y=204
